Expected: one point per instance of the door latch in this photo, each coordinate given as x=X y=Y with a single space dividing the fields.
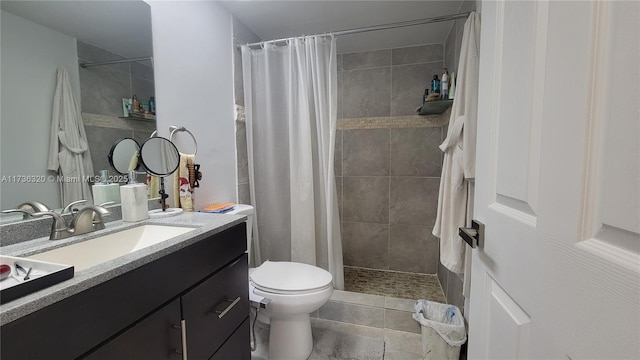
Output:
x=474 y=236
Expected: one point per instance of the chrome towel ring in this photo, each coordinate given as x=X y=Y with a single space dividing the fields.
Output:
x=175 y=129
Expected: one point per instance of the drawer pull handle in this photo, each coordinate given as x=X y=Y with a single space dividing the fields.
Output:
x=223 y=312
x=183 y=330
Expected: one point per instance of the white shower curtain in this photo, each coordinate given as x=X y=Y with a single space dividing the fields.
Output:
x=290 y=104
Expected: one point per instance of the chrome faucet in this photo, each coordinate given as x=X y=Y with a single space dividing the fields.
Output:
x=87 y=220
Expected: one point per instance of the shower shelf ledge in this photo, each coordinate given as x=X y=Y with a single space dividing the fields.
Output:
x=139 y=117
x=435 y=107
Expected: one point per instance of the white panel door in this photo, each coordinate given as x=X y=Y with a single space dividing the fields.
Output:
x=558 y=182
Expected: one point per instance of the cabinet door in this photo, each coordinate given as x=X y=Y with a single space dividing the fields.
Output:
x=157 y=337
x=237 y=346
x=215 y=308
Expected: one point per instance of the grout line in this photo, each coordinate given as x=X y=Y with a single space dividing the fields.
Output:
x=389 y=203
x=392 y=271
x=130 y=82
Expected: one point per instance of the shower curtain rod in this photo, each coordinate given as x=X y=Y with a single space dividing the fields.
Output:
x=100 y=63
x=430 y=20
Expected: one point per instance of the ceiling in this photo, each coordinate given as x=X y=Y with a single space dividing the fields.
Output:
x=281 y=19
x=122 y=27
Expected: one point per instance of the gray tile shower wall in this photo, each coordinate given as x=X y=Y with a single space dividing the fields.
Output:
x=102 y=89
x=387 y=82
x=387 y=160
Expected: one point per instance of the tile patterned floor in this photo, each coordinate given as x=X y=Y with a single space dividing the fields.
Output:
x=395 y=345
x=392 y=283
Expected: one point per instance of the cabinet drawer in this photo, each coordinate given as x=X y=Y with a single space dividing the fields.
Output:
x=237 y=347
x=156 y=337
x=215 y=308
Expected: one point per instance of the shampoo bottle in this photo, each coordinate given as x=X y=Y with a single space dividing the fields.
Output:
x=103 y=191
x=444 y=94
x=134 y=200
x=435 y=84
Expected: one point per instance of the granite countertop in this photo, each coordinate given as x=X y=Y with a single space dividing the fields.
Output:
x=205 y=225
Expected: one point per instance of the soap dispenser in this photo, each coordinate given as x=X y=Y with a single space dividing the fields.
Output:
x=134 y=200
x=104 y=191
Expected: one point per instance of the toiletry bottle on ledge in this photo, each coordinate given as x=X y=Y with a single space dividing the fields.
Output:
x=444 y=94
x=435 y=84
x=104 y=191
x=152 y=105
x=136 y=105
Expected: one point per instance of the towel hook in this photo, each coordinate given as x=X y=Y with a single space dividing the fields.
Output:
x=175 y=129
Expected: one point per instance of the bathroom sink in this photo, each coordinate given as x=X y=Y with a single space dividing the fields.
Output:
x=108 y=247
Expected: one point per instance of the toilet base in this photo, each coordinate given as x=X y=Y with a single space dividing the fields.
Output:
x=290 y=338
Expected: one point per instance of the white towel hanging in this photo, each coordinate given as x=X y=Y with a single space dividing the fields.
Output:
x=459 y=153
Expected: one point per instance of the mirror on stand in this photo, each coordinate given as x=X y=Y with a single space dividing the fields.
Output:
x=160 y=157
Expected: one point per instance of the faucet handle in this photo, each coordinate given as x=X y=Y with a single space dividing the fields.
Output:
x=25 y=214
x=68 y=208
x=96 y=219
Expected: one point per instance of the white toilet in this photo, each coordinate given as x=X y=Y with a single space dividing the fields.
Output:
x=295 y=291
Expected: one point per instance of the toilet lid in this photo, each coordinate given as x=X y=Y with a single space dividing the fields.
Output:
x=284 y=277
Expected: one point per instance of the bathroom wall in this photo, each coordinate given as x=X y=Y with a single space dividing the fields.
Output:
x=241 y=35
x=452 y=284
x=193 y=62
x=102 y=89
x=387 y=161
x=31 y=53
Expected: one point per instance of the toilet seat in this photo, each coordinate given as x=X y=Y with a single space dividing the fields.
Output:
x=288 y=278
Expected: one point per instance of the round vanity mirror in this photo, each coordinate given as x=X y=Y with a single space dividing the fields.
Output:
x=159 y=156
x=124 y=155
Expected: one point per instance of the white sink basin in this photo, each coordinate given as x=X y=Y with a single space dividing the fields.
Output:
x=104 y=248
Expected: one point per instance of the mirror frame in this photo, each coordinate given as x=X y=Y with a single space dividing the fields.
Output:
x=165 y=141
x=113 y=148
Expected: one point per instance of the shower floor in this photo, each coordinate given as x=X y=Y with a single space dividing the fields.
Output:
x=393 y=283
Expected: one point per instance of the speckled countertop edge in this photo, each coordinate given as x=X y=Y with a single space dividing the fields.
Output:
x=204 y=225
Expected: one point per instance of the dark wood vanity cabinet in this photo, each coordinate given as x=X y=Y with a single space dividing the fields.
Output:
x=198 y=293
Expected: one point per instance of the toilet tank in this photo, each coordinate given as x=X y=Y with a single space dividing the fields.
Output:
x=249 y=211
